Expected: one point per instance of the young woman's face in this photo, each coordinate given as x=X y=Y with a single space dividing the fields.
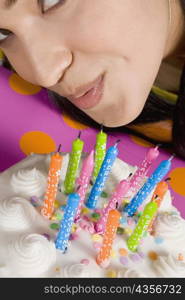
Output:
x=63 y=45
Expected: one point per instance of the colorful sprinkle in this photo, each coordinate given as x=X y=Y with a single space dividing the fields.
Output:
x=97 y=245
x=135 y=257
x=57 y=204
x=47 y=236
x=53 y=218
x=128 y=231
x=57 y=269
x=123 y=220
x=159 y=240
x=111 y=274
x=153 y=255
x=55 y=226
x=124 y=260
x=73 y=236
x=97 y=238
x=113 y=253
x=123 y=252
x=62 y=207
x=74 y=228
x=95 y=216
x=85 y=261
x=34 y=201
x=120 y=230
x=85 y=210
x=104 y=194
x=180 y=257
x=141 y=254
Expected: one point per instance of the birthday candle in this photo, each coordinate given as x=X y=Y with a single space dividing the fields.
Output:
x=147 y=188
x=120 y=191
x=143 y=223
x=75 y=155
x=110 y=233
x=137 y=179
x=158 y=197
x=97 y=188
x=52 y=184
x=100 y=150
x=84 y=180
x=67 y=222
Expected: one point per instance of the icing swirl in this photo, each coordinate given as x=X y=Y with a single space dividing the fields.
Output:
x=28 y=183
x=16 y=214
x=130 y=273
x=168 y=266
x=75 y=271
x=171 y=227
x=31 y=255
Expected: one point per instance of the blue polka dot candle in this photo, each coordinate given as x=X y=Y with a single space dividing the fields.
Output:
x=149 y=185
x=62 y=239
x=105 y=169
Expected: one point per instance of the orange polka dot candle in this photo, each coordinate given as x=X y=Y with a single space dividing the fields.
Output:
x=103 y=257
x=53 y=180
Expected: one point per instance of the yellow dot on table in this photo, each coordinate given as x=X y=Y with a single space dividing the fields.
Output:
x=72 y=123
x=141 y=142
x=37 y=142
x=153 y=255
x=177 y=181
x=21 y=86
x=111 y=274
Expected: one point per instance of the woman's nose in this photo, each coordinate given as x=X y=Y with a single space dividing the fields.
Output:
x=42 y=58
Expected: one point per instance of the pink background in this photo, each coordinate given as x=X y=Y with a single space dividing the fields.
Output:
x=21 y=113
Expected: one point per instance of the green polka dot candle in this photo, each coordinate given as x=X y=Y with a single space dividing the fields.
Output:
x=142 y=226
x=74 y=160
x=100 y=150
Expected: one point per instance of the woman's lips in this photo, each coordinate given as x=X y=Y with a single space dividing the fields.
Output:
x=92 y=97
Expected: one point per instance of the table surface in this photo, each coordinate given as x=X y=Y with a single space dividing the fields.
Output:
x=29 y=122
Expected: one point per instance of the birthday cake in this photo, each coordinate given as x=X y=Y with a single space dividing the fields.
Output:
x=28 y=239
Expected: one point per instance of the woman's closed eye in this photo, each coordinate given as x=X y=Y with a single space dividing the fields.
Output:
x=44 y=5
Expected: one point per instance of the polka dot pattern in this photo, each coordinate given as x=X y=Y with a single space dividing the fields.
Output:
x=37 y=142
x=30 y=123
x=21 y=86
x=72 y=123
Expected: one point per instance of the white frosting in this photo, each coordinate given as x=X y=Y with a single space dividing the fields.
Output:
x=171 y=227
x=31 y=255
x=16 y=214
x=168 y=266
x=130 y=273
x=75 y=271
x=25 y=252
x=28 y=183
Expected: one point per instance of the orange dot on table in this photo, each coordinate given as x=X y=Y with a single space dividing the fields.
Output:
x=141 y=142
x=21 y=86
x=153 y=255
x=37 y=142
x=177 y=181
x=72 y=123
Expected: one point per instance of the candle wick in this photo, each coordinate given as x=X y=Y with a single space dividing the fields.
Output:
x=78 y=188
x=168 y=179
x=130 y=175
x=79 y=134
x=117 y=142
x=59 y=147
x=158 y=146
x=101 y=127
x=172 y=157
